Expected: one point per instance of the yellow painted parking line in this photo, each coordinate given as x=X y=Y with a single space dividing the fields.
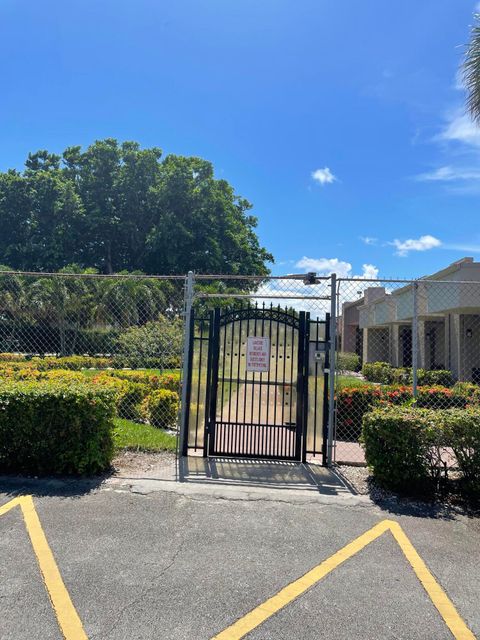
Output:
x=67 y=617
x=444 y=605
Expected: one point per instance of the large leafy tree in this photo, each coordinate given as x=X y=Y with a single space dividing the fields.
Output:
x=118 y=207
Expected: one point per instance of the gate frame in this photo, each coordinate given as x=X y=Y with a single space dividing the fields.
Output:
x=328 y=372
x=301 y=385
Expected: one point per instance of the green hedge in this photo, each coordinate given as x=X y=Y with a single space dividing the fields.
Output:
x=73 y=363
x=160 y=408
x=353 y=402
x=402 y=445
x=55 y=428
x=347 y=361
x=384 y=373
x=169 y=381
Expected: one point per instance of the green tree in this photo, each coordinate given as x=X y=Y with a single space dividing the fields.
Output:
x=124 y=302
x=118 y=207
x=64 y=303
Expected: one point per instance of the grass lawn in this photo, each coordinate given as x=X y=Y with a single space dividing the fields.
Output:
x=142 y=437
x=350 y=381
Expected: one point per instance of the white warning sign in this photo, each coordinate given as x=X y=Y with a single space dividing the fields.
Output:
x=258 y=354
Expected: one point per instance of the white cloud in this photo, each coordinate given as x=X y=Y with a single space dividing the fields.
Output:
x=461 y=128
x=370 y=271
x=449 y=174
x=369 y=240
x=323 y=176
x=424 y=243
x=327 y=266
x=314 y=298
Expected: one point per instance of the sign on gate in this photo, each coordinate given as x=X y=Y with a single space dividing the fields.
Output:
x=258 y=354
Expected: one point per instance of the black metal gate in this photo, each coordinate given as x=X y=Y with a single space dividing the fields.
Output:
x=257 y=382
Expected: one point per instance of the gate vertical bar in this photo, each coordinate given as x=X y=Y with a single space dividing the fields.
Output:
x=331 y=385
x=415 y=342
x=306 y=372
x=326 y=393
x=187 y=363
x=214 y=362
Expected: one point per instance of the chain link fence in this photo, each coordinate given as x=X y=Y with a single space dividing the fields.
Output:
x=124 y=332
x=396 y=342
x=404 y=343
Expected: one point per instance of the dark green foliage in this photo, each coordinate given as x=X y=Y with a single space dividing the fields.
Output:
x=55 y=428
x=385 y=373
x=353 y=402
x=378 y=372
x=160 y=408
x=115 y=207
x=348 y=361
x=397 y=442
x=403 y=445
x=73 y=363
x=462 y=432
x=151 y=345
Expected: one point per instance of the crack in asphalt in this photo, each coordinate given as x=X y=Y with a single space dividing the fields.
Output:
x=143 y=593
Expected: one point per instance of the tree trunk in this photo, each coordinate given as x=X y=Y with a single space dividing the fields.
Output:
x=108 y=257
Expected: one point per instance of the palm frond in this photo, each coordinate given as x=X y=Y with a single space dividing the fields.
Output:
x=471 y=71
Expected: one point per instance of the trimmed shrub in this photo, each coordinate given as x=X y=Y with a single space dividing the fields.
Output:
x=160 y=408
x=155 y=345
x=73 y=363
x=55 y=428
x=348 y=361
x=352 y=404
x=169 y=381
x=12 y=357
x=397 y=443
x=128 y=395
x=439 y=398
x=434 y=377
x=466 y=390
x=403 y=445
x=380 y=372
x=462 y=432
x=384 y=373
x=55 y=375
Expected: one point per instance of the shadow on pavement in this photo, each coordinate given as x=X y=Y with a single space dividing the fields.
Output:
x=263 y=473
x=62 y=486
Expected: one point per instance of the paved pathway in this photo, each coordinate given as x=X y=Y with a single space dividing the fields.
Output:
x=142 y=558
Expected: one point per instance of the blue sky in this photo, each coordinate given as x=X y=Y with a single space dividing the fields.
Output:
x=341 y=121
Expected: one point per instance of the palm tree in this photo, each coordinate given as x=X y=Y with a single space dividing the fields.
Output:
x=471 y=70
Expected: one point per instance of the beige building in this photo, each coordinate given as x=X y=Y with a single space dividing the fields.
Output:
x=378 y=326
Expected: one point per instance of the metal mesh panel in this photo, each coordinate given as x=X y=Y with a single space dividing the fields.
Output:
x=123 y=332
x=266 y=398
x=404 y=342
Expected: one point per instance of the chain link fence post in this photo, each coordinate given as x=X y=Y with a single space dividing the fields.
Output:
x=189 y=290
x=331 y=374
x=415 y=343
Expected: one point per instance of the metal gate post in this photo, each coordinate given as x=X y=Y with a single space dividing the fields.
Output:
x=186 y=363
x=415 y=343
x=331 y=374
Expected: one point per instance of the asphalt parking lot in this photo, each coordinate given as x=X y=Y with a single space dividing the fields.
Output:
x=183 y=564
